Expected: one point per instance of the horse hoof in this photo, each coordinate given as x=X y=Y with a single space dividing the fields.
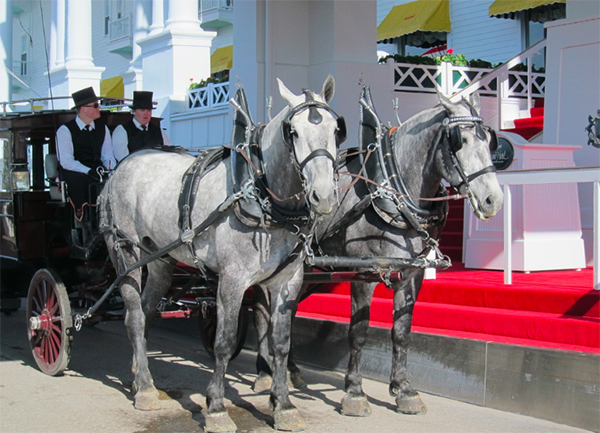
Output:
x=146 y=401
x=262 y=383
x=289 y=420
x=412 y=405
x=296 y=380
x=219 y=423
x=355 y=406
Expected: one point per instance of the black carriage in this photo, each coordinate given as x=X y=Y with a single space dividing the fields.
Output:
x=57 y=259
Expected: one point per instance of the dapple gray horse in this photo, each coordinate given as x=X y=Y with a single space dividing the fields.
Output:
x=139 y=211
x=448 y=143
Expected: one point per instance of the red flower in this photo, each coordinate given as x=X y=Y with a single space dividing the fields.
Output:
x=450 y=51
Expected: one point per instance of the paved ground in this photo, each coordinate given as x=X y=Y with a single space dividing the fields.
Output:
x=94 y=395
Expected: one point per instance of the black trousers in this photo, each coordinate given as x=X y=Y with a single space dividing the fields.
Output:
x=78 y=187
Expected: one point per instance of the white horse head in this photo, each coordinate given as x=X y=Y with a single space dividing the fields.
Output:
x=470 y=145
x=313 y=131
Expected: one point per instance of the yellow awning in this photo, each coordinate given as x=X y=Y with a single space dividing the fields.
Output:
x=112 y=87
x=506 y=7
x=420 y=15
x=221 y=59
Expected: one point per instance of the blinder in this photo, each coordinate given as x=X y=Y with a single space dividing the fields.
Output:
x=455 y=142
x=342 y=132
x=455 y=136
x=314 y=117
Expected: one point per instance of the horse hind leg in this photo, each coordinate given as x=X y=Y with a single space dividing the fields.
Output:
x=158 y=282
x=145 y=394
x=408 y=400
x=355 y=402
x=262 y=318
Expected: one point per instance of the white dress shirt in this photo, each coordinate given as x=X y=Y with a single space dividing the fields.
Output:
x=120 y=140
x=64 y=151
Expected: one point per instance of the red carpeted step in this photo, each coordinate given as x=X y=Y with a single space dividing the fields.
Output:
x=537 y=112
x=555 y=328
x=531 y=326
x=529 y=122
x=526 y=133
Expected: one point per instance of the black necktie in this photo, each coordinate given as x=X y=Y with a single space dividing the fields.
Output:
x=87 y=128
x=144 y=136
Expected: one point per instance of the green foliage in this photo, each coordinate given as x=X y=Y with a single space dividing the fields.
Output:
x=413 y=60
x=205 y=82
x=455 y=59
x=478 y=63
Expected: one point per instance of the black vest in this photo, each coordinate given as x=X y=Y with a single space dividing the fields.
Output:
x=87 y=145
x=138 y=139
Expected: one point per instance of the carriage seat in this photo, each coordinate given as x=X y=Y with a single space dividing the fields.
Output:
x=52 y=176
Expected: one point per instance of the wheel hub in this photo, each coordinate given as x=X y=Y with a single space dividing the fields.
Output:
x=40 y=323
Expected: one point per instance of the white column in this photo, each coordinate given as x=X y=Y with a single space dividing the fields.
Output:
x=183 y=14
x=182 y=43
x=6 y=49
x=79 y=33
x=57 y=34
x=158 y=16
x=142 y=12
x=78 y=70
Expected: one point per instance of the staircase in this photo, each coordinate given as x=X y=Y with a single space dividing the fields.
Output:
x=555 y=309
x=529 y=127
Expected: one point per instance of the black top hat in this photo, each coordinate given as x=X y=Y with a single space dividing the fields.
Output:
x=142 y=99
x=84 y=96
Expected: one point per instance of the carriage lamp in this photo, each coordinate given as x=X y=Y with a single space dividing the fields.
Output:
x=20 y=175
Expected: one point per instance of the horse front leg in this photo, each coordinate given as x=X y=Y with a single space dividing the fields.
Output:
x=408 y=400
x=355 y=402
x=229 y=302
x=264 y=358
x=284 y=303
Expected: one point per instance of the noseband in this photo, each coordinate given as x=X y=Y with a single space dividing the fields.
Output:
x=454 y=138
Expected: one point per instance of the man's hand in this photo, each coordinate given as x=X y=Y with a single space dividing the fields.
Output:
x=93 y=173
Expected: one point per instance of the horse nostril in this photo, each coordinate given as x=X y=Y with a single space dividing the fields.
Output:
x=314 y=198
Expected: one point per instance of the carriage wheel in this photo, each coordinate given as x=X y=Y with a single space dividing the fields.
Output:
x=208 y=331
x=49 y=322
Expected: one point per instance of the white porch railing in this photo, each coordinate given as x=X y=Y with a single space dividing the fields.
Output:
x=119 y=29
x=550 y=176
x=208 y=5
x=211 y=96
x=458 y=81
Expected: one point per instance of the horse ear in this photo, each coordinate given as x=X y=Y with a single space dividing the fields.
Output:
x=286 y=93
x=446 y=103
x=328 y=89
x=474 y=100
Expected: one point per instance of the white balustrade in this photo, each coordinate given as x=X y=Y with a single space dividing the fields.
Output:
x=211 y=96
x=120 y=29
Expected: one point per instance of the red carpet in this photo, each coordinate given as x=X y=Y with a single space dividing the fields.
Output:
x=529 y=126
x=557 y=309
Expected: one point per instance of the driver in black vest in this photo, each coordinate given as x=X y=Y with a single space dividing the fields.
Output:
x=139 y=133
x=84 y=148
